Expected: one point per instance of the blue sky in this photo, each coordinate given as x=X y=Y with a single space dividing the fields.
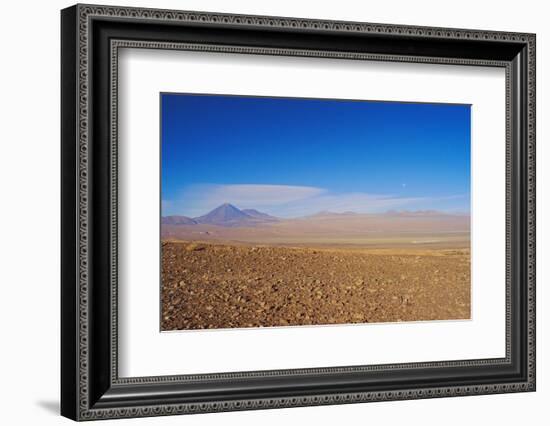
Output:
x=292 y=157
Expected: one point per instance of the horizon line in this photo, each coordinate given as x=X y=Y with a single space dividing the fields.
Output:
x=327 y=212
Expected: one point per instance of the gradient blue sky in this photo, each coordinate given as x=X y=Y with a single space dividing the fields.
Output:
x=293 y=157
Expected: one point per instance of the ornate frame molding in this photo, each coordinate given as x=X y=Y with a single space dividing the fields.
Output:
x=82 y=16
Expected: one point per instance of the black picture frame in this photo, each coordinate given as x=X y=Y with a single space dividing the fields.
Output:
x=90 y=386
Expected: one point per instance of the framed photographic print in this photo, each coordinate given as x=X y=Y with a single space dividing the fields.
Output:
x=263 y=212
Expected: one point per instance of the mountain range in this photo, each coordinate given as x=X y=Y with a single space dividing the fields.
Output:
x=224 y=215
x=228 y=215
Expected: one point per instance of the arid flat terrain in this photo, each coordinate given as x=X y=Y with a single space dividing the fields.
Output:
x=423 y=229
x=215 y=284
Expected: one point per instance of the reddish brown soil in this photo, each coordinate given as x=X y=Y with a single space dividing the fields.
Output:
x=235 y=286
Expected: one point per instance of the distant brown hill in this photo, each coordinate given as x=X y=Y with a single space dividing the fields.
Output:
x=329 y=214
x=415 y=213
x=177 y=220
x=403 y=228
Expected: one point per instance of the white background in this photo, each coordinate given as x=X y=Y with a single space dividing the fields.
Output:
x=146 y=352
x=29 y=225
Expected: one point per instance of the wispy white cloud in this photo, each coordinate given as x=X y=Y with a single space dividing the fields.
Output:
x=254 y=195
x=289 y=200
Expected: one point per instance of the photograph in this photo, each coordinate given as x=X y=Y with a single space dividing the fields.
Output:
x=283 y=212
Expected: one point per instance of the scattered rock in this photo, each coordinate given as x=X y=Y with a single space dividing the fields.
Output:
x=278 y=286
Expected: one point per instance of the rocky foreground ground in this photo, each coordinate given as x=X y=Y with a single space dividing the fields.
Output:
x=235 y=286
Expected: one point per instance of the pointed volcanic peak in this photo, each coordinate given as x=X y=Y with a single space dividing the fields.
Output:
x=259 y=215
x=177 y=220
x=224 y=215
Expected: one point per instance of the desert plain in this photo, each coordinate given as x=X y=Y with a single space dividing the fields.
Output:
x=235 y=268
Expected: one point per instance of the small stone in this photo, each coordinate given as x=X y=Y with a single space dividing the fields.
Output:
x=194 y=247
